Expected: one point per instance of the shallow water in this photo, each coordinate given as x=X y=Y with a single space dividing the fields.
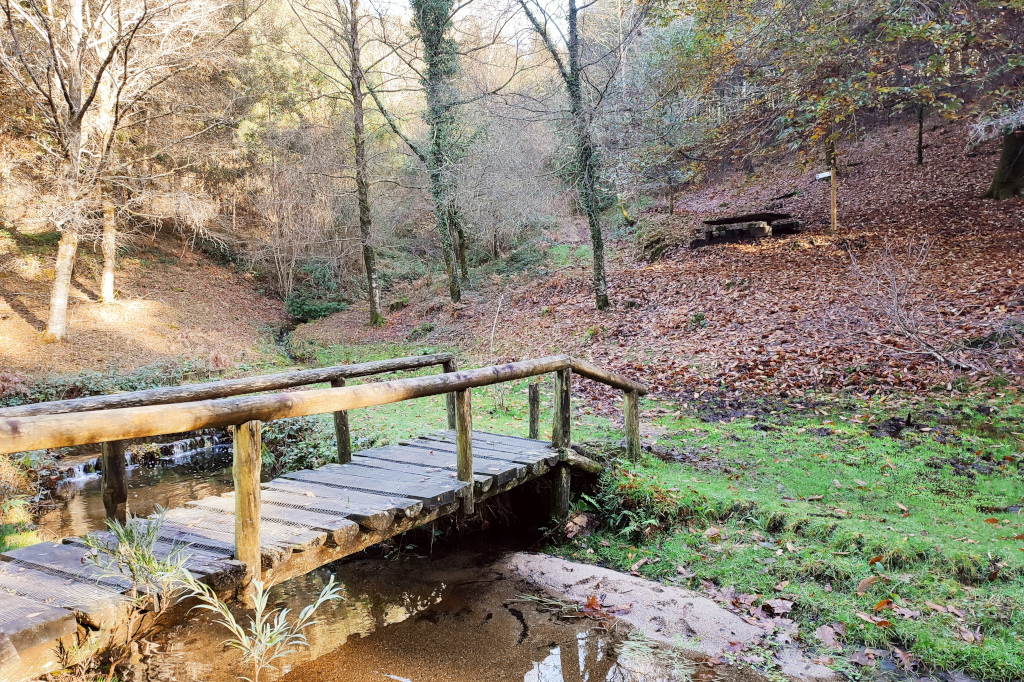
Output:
x=81 y=509
x=450 y=618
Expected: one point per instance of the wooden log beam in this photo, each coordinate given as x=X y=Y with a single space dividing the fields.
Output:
x=561 y=503
x=534 y=410
x=21 y=434
x=245 y=469
x=114 y=480
x=592 y=371
x=341 y=432
x=449 y=366
x=631 y=407
x=561 y=427
x=227 y=387
x=464 y=444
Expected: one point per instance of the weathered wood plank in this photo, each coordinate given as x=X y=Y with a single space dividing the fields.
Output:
x=482 y=482
x=338 y=528
x=402 y=505
x=94 y=605
x=431 y=494
x=531 y=450
x=372 y=518
x=8 y=654
x=29 y=623
x=547 y=457
x=271 y=533
x=501 y=470
x=68 y=561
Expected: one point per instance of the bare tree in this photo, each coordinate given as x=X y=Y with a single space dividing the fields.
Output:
x=434 y=56
x=587 y=70
x=87 y=65
x=334 y=27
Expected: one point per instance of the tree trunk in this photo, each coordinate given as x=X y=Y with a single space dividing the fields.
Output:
x=57 y=323
x=109 y=246
x=920 y=134
x=362 y=181
x=1009 y=178
x=586 y=163
x=433 y=20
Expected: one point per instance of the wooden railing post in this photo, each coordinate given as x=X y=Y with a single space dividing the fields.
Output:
x=341 y=431
x=534 y=410
x=631 y=416
x=449 y=398
x=562 y=425
x=464 y=444
x=114 y=480
x=248 y=446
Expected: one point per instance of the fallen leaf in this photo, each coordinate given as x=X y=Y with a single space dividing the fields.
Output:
x=683 y=571
x=883 y=623
x=865 y=584
x=902 y=508
x=874 y=560
x=906 y=613
x=992 y=521
x=780 y=606
x=734 y=647
x=935 y=607
x=884 y=604
x=783 y=585
x=861 y=658
x=827 y=635
x=791 y=547
x=835 y=482
x=840 y=628
x=866 y=617
x=711 y=533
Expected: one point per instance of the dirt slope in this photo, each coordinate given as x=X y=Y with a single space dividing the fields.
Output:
x=168 y=309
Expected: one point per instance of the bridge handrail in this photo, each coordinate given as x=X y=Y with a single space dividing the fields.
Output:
x=224 y=388
x=37 y=432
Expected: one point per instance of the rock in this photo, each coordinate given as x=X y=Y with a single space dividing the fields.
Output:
x=759 y=229
x=665 y=614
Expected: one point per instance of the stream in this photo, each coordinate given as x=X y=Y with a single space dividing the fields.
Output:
x=166 y=475
x=454 y=617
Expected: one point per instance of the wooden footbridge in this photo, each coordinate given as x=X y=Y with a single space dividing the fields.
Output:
x=293 y=524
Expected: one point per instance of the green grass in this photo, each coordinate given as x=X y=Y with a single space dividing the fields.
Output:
x=818 y=501
x=13 y=536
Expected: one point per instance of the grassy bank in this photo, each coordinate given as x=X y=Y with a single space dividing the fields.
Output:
x=912 y=540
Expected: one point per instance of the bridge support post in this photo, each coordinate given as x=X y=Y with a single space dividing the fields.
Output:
x=464 y=444
x=449 y=398
x=248 y=446
x=562 y=425
x=561 y=502
x=631 y=407
x=341 y=431
x=534 y=410
x=114 y=480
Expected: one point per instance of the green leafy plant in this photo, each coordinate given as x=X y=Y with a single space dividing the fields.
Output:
x=269 y=635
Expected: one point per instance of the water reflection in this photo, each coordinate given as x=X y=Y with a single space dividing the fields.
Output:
x=451 y=618
x=80 y=509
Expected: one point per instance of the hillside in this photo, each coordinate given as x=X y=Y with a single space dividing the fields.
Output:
x=171 y=308
x=781 y=313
